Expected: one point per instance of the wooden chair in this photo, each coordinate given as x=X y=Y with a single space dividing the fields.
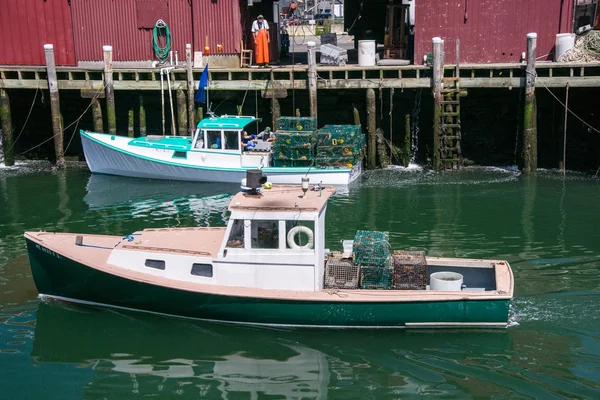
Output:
x=245 y=56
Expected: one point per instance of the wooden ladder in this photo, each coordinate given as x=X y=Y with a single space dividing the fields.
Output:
x=450 y=135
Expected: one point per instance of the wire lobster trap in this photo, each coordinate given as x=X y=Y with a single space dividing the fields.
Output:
x=410 y=270
x=380 y=277
x=340 y=273
x=296 y=124
x=371 y=248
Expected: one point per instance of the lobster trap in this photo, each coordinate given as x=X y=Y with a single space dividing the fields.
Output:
x=296 y=139
x=410 y=270
x=371 y=248
x=379 y=277
x=340 y=273
x=296 y=124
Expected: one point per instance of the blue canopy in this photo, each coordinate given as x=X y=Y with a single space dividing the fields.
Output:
x=226 y=122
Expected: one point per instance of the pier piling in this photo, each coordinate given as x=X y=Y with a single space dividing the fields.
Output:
x=371 y=130
x=312 y=78
x=407 y=137
x=190 y=89
x=529 y=136
x=97 y=116
x=111 y=115
x=142 y=117
x=130 y=123
x=564 y=159
x=54 y=106
x=182 y=120
x=7 y=134
x=436 y=85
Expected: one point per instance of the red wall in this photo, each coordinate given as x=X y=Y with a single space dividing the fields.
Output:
x=114 y=22
x=221 y=21
x=493 y=31
x=28 y=25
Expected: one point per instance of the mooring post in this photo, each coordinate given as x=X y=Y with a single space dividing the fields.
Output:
x=182 y=120
x=130 y=123
x=407 y=136
x=190 y=88
x=371 y=130
x=97 y=116
x=54 y=106
x=312 y=77
x=275 y=110
x=436 y=84
x=6 y=139
x=111 y=115
x=142 y=117
x=529 y=136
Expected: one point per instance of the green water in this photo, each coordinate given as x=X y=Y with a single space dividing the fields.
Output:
x=547 y=227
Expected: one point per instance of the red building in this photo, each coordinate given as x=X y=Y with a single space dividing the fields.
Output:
x=79 y=28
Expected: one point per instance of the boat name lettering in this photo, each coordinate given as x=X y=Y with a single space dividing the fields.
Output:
x=47 y=251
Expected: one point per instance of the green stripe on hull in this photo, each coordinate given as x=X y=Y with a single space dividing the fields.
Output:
x=69 y=279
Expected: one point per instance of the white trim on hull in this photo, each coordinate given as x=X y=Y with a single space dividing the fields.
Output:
x=104 y=159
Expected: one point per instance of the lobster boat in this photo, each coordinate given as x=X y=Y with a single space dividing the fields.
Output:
x=270 y=266
x=219 y=152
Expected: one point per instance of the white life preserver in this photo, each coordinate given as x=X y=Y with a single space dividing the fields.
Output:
x=291 y=236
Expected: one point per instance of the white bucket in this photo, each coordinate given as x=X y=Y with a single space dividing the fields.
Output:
x=449 y=281
x=366 y=53
x=564 y=42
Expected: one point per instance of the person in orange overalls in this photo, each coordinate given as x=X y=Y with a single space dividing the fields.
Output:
x=260 y=31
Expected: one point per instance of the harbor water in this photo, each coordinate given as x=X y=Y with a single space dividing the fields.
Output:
x=546 y=226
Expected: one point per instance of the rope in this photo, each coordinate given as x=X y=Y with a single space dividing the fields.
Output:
x=24 y=125
x=586 y=49
x=161 y=33
x=537 y=78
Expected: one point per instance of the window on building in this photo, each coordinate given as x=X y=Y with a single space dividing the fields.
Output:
x=302 y=236
x=232 y=141
x=236 y=237
x=265 y=234
x=214 y=139
x=205 y=270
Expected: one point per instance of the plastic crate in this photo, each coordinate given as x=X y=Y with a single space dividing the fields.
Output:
x=410 y=270
x=340 y=273
x=371 y=248
x=296 y=124
x=377 y=277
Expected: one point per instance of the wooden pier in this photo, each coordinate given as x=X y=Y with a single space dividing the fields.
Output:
x=109 y=78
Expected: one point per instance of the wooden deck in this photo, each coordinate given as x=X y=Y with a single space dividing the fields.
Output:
x=348 y=77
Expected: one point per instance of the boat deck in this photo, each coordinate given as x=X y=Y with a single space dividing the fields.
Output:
x=96 y=249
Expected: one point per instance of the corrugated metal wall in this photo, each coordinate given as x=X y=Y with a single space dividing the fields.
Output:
x=490 y=31
x=114 y=22
x=220 y=21
x=28 y=25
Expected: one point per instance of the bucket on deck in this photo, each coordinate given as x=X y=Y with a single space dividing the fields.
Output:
x=366 y=53
x=564 y=42
x=445 y=280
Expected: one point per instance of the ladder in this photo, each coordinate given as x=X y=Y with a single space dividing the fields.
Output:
x=450 y=135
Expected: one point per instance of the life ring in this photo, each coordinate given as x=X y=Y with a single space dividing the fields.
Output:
x=291 y=236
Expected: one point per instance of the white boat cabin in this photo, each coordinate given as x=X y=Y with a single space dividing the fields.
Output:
x=273 y=240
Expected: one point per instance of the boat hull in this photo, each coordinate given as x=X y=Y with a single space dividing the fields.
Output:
x=62 y=278
x=105 y=158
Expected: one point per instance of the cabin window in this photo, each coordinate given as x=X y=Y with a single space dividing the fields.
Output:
x=236 y=237
x=180 y=154
x=156 y=264
x=232 y=141
x=205 y=270
x=301 y=237
x=265 y=234
x=214 y=139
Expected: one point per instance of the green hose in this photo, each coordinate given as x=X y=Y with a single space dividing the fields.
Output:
x=161 y=34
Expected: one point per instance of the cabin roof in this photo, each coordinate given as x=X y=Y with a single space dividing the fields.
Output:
x=282 y=198
x=226 y=122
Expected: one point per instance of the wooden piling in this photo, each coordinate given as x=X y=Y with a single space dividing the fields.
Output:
x=97 y=116
x=564 y=160
x=199 y=114
x=371 y=130
x=142 y=112
x=529 y=136
x=7 y=133
x=182 y=120
x=54 y=106
x=407 y=139
x=312 y=78
x=111 y=115
x=436 y=85
x=356 y=115
x=275 y=111
x=130 y=123
x=190 y=89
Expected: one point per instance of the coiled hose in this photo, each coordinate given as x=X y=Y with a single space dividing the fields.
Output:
x=161 y=34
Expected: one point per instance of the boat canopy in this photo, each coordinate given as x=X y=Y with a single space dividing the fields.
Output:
x=226 y=122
